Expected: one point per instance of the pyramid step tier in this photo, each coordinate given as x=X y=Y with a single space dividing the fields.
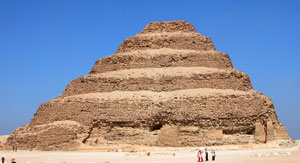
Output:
x=168 y=26
x=197 y=107
x=162 y=58
x=191 y=41
x=160 y=79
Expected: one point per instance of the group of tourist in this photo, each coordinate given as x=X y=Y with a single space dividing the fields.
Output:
x=13 y=160
x=204 y=150
x=15 y=149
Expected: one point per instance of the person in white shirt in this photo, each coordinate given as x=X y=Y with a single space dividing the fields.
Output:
x=213 y=155
x=199 y=155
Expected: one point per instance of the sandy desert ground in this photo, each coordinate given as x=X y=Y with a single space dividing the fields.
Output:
x=229 y=154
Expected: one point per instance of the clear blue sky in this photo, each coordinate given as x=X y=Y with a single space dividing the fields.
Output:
x=45 y=44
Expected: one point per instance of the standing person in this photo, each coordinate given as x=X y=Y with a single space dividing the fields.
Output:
x=206 y=154
x=3 y=160
x=213 y=155
x=199 y=155
x=13 y=160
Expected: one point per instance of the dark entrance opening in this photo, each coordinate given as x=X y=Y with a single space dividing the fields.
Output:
x=157 y=126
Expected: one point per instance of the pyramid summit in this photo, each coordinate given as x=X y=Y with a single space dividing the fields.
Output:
x=165 y=86
x=169 y=26
x=173 y=35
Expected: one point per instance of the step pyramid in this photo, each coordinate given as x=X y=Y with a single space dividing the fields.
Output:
x=165 y=86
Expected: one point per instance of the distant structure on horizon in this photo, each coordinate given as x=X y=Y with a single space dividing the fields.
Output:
x=166 y=86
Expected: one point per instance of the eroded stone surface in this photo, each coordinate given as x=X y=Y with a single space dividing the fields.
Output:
x=64 y=135
x=160 y=58
x=260 y=133
x=168 y=26
x=160 y=79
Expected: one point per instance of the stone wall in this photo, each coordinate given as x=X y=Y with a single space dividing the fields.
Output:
x=191 y=42
x=222 y=80
x=168 y=136
x=176 y=59
x=59 y=135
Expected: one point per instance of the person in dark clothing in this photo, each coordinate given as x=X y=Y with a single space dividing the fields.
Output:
x=3 y=160
x=15 y=149
x=206 y=155
x=213 y=155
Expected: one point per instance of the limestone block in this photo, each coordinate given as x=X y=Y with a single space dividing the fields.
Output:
x=213 y=134
x=260 y=134
x=168 y=136
x=189 y=129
